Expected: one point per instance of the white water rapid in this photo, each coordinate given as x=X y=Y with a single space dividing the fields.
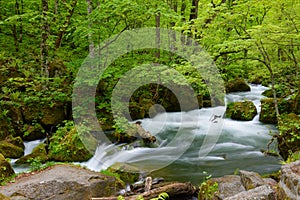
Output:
x=238 y=146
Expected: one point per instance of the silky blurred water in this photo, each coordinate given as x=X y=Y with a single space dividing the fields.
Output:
x=237 y=147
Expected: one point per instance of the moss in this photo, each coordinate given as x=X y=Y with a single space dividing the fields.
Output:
x=38 y=154
x=6 y=169
x=126 y=173
x=208 y=190
x=44 y=114
x=238 y=85
x=244 y=111
x=17 y=141
x=66 y=145
x=289 y=135
x=268 y=113
x=12 y=147
x=33 y=132
x=3 y=197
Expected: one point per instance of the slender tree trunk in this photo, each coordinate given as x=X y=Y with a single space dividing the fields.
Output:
x=21 y=24
x=194 y=9
x=174 y=6
x=15 y=28
x=44 y=37
x=91 y=43
x=65 y=25
x=182 y=13
x=267 y=63
x=56 y=3
x=15 y=34
x=157 y=22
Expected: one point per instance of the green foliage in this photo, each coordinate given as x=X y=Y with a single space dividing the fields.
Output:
x=66 y=144
x=208 y=188
x=162 y=196
x=294 y=156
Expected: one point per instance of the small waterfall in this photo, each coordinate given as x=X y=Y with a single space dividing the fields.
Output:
x=29 y=146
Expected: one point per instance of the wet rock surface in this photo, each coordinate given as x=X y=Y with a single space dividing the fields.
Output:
x=61 y=182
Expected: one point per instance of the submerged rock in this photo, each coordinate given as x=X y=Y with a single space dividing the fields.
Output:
x=61 y=182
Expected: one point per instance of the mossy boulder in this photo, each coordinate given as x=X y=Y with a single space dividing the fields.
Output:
x=66 y=145
x=127 y=173
x=46 y=115
x=6 y=169
x=238 y=85
x=281 y=92
x=39 y=154
x=268 y=113
x=289 y=134
x=12 y=147
x=244 y=111
x=11 y=121
x=33 y=132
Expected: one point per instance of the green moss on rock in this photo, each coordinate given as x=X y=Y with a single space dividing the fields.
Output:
x=6 y=169
x=244 y=111
x=12 y=147
x=33 y=132
x=268 y=113
x=127 y=173
x=3 y=197
x=289 y=134
x=39 y=154
x=66 y=145
x=238 y=85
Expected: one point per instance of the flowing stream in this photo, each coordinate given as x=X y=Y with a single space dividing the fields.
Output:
x=237 y=147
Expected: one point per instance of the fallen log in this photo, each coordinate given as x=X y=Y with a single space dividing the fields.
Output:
x=173 y=190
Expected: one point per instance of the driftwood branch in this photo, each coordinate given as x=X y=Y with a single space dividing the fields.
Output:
x=173 y=190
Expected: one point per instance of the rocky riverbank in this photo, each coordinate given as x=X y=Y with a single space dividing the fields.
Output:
x=66 y=181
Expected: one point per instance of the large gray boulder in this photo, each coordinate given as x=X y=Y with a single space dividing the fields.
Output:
x=61 y=182
x=289 y=185
x=251 y=180
x=228 y=186
x=264 y=192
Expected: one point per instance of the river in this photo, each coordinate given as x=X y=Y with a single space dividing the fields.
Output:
x=237 y=147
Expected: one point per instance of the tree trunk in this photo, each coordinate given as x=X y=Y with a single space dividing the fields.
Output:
x=91 y=43
x=174 y=6
x=157 y=22
x=267 y=63
x=56 y=3
x=65 y=25
x=182 y=12
x=194 y=9
x=21 y=24
x=45 y=34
